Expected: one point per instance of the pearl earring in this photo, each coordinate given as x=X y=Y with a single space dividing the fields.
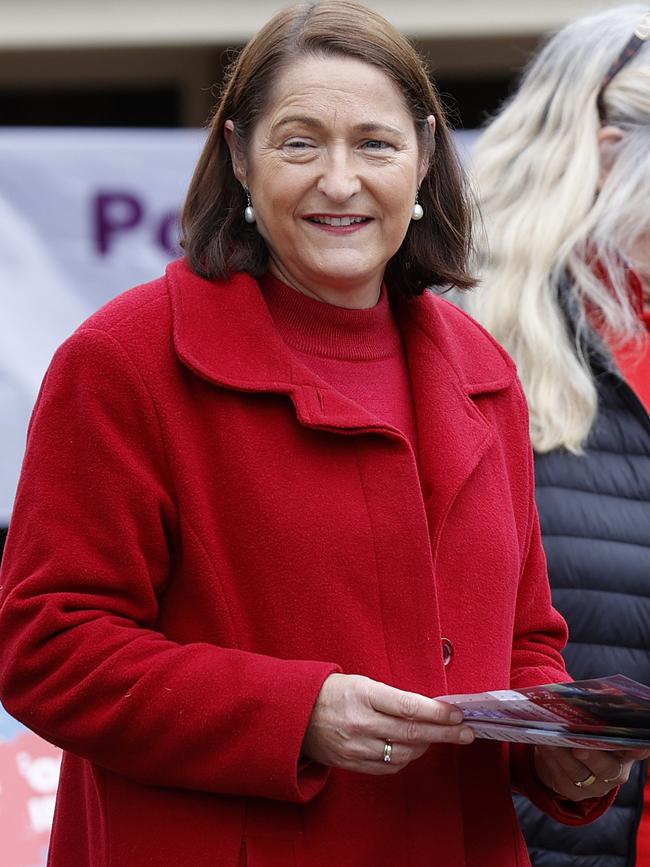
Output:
x=249 y=210
x=418 y=210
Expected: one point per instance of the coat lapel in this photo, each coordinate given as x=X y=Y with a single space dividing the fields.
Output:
x=449 y=368
x=224 y=332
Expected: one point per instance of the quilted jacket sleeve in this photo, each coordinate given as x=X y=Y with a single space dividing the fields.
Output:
x=540 y=635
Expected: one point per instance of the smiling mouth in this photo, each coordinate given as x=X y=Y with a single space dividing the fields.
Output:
x=338 y=221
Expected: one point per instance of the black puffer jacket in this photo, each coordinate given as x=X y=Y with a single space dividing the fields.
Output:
x=595 y=516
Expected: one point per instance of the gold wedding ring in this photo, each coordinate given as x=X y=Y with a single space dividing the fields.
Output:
x=583 y=784
x=388 y=749
x=616 y=778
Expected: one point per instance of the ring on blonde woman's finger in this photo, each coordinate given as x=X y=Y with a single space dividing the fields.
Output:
x=617 y=776
x=388 y=750
x=583 y=784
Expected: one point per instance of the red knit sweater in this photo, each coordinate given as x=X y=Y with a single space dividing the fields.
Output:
x=359 y=352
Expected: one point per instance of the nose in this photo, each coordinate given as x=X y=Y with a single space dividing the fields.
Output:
x=339 y=180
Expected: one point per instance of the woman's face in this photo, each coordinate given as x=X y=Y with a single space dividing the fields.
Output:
x=333 y=169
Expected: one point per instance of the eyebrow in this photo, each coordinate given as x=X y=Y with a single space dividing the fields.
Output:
x=307 y=120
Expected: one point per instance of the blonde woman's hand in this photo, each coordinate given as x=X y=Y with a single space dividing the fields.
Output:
x=578 y=774
x=355 y=718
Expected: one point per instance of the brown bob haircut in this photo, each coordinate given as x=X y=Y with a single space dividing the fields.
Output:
x=216 y=238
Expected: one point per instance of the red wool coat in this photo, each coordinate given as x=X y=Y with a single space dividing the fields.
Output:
x=204 y=531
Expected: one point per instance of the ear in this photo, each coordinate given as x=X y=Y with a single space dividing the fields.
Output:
x=236 y=156
x=608 y=137
x=425 y=160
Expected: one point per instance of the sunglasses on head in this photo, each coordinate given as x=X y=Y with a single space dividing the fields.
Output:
x=630 y=50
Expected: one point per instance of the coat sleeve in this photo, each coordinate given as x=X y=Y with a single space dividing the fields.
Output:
x=90 y=550
x=540 y=635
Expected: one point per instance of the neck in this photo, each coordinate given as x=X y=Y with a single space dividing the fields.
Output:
x=353 y=298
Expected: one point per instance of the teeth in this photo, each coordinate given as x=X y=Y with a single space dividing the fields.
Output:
x=338 y=221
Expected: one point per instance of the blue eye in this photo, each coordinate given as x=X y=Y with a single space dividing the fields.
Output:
x=376 y=145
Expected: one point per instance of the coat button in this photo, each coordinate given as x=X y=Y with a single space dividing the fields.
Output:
x=447 y=651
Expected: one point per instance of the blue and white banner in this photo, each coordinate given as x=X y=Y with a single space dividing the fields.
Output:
x=84 y=214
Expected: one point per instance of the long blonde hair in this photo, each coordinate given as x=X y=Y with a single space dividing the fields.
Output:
x=548 y=220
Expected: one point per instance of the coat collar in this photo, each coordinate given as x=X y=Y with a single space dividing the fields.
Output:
x=223 y=331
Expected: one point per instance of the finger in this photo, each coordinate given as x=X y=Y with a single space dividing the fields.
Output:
x=411 y=731
x=376 y=756
x=607 y=766
x=572 y=769
x=567 y=776
x=621 y=775
x=411 y=705
x=390 y=753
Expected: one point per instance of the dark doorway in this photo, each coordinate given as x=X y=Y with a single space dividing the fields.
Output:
x=470 y=102
x=95 y=107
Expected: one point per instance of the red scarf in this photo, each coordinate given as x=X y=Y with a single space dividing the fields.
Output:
x=633 y=359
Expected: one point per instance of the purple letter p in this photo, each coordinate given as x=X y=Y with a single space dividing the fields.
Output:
x=114 y=212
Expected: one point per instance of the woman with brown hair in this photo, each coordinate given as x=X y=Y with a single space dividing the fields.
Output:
x=277 y=501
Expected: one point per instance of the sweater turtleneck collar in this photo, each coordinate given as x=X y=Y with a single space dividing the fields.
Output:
x=327 y=331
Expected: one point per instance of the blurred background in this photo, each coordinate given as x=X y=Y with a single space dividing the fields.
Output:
x=102 y=107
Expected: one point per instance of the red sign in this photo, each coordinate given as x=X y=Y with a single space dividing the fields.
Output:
x=29 y=774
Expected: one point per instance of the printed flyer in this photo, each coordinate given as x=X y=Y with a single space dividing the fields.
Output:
x=603 y=713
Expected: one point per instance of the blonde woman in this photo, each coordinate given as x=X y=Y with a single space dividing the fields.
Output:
x=564 y=179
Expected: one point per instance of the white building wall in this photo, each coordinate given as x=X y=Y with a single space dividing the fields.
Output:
x=29 y=24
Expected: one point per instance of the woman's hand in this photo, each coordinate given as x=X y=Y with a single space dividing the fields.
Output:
x=578 y=774
x=354 y=718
